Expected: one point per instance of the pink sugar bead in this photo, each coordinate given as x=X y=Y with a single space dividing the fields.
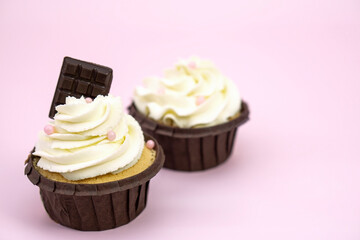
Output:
x=88 y=100
x=49 y=129
x=200 y=100
x=161 y=91
x=150 y=144
x=192 y=65
x=111 y=135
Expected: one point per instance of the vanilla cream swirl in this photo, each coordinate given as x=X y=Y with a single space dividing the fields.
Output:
x=79 y=148
x=192 y=94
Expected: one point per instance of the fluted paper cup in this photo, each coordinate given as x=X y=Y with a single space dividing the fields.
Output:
x=193 y=149
x=96 y=207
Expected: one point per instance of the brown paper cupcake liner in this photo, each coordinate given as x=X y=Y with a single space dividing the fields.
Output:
x=95 y=207
x=193 y=149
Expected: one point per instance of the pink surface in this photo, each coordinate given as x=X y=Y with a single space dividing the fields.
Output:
x=294 y=173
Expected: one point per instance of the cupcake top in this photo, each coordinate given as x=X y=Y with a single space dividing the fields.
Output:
x=89 y=138
x=192 y=94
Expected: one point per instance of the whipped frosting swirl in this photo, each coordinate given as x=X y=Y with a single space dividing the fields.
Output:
x=192 y=94
x=79 y=147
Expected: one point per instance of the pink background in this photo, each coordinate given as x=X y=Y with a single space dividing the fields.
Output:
x=294 y=173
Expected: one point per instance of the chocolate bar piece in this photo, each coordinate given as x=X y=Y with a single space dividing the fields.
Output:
x=78 y=78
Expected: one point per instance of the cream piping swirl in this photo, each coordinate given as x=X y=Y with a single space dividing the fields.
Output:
x=80 y=149
x=192 y=94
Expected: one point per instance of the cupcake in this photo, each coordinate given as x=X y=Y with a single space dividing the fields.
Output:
x=193 y=112
x=93 y=164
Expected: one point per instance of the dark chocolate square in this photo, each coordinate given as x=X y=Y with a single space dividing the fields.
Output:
x=66 y=82
x=98 y=90
x=102 y=78
x=86 y=73
x=82 y=87
x=69 y=68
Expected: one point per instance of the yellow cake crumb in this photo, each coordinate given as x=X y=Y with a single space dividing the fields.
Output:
x=147 y=158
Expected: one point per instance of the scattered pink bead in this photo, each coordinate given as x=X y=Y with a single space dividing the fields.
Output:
x=150 y=144
x=88 y=100
x=192 y=65
x=111 y=135
x=200 y=100
x=49 y=129
x=161 y=91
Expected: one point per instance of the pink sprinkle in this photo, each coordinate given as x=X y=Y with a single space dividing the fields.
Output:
x=200 y=100
x=150 y=144
x=192 y=65
x=161 y=91
x=49 y=129
x=88 y=100
x=111 y=135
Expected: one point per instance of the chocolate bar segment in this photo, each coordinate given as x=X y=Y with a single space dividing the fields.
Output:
x=78 y=78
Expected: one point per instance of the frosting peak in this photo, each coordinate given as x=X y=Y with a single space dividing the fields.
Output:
x=192 y=94
x=90 y=138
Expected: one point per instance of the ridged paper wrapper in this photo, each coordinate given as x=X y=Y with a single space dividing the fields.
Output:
x=96 y=207
x=193 y=149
